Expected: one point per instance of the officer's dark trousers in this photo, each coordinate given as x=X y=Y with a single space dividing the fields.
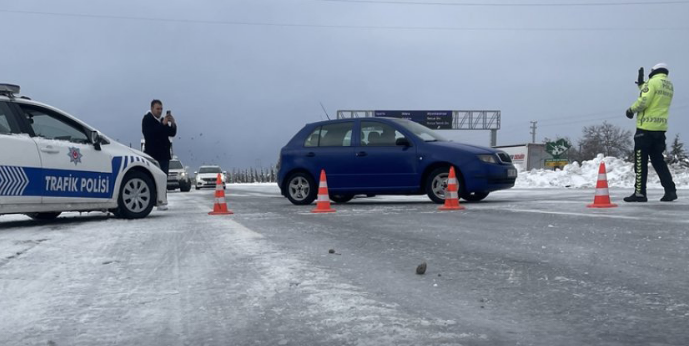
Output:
x=650 y=144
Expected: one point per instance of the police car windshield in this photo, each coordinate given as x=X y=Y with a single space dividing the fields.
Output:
x=210 y=170
x=423 y=132
x=176 y=165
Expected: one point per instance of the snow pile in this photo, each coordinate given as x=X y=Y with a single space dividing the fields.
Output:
x=620 y=174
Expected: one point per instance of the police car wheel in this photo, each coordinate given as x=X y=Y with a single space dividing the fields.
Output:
x=137 y=196
x=44 y=216
x=475 y=197
x=341 y=198
x=301 y=189
x=436 y=183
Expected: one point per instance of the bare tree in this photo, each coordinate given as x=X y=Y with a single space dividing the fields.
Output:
x=606 y=139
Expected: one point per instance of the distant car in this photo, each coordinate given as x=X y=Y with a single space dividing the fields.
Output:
x=207 y=176
x=386 y=156
x=178 y=177
x=51 y=162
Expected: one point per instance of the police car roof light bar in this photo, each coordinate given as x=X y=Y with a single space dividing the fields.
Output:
x=9 y=89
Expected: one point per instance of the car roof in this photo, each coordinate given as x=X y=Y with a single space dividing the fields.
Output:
x=332 y=121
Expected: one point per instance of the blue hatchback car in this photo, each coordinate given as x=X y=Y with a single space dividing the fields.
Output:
x=386 y=156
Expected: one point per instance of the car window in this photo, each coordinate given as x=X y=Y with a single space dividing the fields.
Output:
x=314 y=138
x=50 y=125
x=176 y=165
x=421 y=131
x=336 y=135
x=375 y=134
x=210 y=170
x=5 y=128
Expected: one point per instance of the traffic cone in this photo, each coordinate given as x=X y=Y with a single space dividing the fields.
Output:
x=220 y=206
x=602 y=199
x=451 y=194
x=323 y=204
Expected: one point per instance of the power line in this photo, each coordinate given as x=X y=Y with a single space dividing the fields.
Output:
x=477 y=4
x=357 y=27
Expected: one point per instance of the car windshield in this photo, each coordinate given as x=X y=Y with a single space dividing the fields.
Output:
x=210 y=170
x=423 y=132
x=176 y=165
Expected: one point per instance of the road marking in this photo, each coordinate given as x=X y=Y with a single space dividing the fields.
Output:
x=625 y=217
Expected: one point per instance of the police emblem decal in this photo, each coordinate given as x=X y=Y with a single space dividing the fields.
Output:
x=74 y=155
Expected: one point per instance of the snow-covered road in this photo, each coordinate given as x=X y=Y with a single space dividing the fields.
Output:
x=525 y=267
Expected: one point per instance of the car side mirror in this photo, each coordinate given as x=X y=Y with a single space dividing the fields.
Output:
x=96 y=139
x=224 y=172
x=403 y=142
x=195 y=173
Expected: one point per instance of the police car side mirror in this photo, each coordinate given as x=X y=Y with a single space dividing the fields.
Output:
x=96 y=139
x=195 y=173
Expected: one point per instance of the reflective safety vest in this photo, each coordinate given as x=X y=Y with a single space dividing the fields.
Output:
x=653 y=106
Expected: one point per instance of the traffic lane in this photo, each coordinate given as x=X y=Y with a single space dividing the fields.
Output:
x=592 y=275
x=184 y=277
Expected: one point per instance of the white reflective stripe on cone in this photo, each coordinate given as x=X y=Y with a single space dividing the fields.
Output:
x=452 y=181
x=323 y=184
x=219 y=200
x=323 y=198
x=452 y=195
x=601 y=192
x=602 y=176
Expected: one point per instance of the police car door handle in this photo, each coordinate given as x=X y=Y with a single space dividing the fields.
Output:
x=311 y=154
x=361 y=153
x=50 y=150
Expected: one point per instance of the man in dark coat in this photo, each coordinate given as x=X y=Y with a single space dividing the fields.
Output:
x=157 y=130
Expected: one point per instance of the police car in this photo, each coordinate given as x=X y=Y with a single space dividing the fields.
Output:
x=51 y=162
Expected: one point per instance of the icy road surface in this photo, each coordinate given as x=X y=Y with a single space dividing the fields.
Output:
x=525 y=267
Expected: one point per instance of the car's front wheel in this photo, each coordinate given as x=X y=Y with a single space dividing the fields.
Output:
x=44 y=216
x=137 y=196
x=301 y=189
x=475 y=197
x=436 y=184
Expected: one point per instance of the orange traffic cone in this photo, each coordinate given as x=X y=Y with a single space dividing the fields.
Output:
x=451 y=194
x=602 y=199
x=220 y=206
x=323 y=205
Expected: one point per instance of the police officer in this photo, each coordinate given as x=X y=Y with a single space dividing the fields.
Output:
x=652 y=111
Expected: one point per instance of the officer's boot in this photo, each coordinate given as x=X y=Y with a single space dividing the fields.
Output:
x=636 y=197
x=669 y=196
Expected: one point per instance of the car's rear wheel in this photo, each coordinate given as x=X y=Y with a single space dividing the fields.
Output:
x=301 y=189
x=436 y=184
x=44 y=216
x=475 y=196
x=137 y=196
x=341 y=198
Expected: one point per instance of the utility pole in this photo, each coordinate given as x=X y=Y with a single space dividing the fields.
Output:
x=533 y=131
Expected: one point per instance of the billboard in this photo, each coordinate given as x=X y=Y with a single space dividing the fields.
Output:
x=437 y=120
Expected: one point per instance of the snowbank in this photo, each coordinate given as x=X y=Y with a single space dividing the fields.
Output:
x=620 y=174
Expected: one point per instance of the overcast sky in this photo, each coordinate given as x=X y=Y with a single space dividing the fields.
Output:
x=242 y=77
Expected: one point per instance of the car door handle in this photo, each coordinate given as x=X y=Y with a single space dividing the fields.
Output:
x=50 y=150
x=361 y=153
x=311 y=154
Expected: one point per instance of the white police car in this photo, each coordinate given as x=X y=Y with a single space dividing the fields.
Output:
x=51 y=162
